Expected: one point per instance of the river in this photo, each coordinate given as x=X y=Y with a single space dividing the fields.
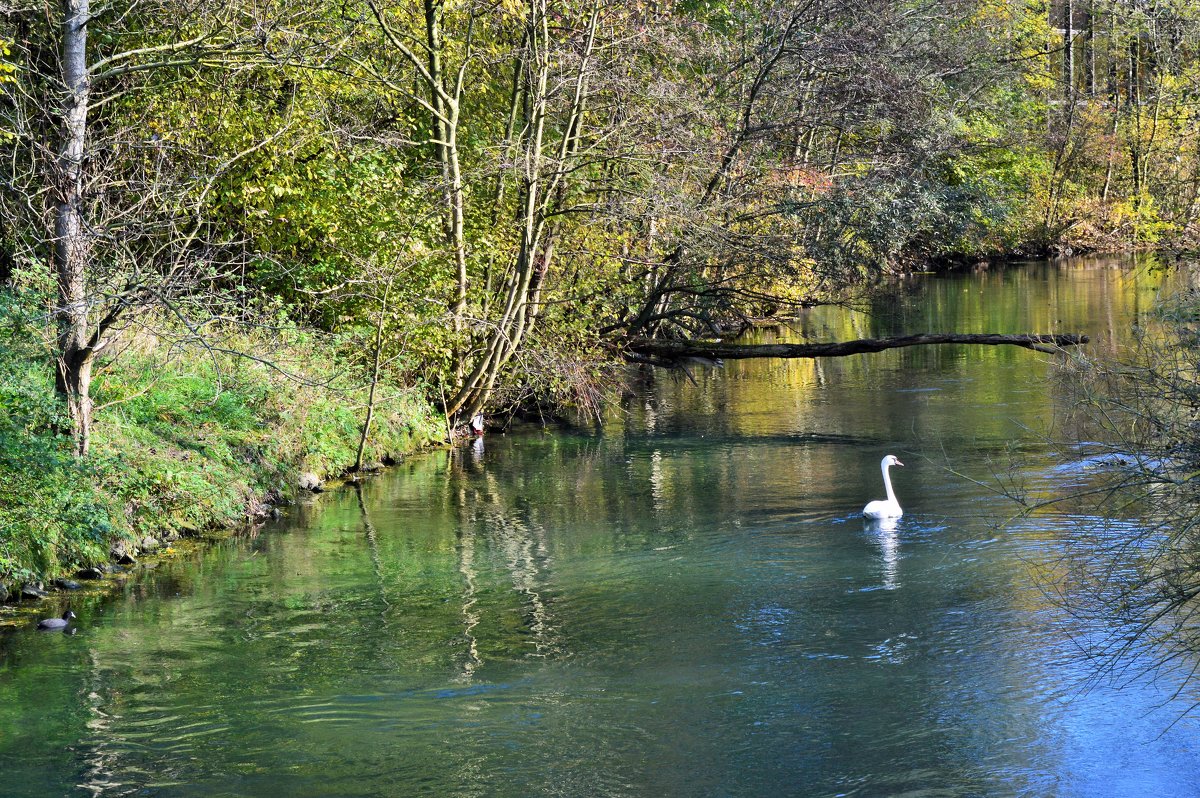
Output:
x=686 y=603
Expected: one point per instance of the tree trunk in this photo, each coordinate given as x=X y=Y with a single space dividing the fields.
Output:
x=1112 y=156
x=1089 y=49
x=1068 y=49
x=1134 y=98
x=515 y=105
x=445 y=101
x=74 y=380
x=375 y=369
x=540 y=193
x=478 y=385
x=1114 y=99
x=72 y=245
x=1114 y=83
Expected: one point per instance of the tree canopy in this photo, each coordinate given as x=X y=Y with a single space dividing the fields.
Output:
x=490 y=200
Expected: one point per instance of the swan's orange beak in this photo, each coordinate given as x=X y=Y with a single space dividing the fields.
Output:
x=899 y=463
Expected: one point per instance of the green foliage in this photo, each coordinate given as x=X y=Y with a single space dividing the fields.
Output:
x=185 y=439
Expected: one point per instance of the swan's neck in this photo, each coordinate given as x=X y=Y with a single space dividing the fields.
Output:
x=887 y=484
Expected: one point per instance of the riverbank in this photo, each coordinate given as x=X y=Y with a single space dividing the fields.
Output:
x=190 y=438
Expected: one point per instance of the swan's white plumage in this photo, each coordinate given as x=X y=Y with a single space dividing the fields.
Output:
x=889 y=507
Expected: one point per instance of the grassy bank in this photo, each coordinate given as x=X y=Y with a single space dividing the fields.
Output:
x=187 y=438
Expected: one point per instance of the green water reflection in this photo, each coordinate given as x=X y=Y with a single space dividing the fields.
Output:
x=686 y=604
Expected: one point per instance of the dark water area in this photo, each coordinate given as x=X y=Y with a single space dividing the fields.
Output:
x=685 y=603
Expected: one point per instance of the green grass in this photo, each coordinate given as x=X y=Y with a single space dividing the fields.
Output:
x=185 y=440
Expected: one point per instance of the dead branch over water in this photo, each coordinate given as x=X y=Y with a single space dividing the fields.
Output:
x=668 y=351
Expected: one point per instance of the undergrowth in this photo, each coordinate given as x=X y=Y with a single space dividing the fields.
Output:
x=186 y=438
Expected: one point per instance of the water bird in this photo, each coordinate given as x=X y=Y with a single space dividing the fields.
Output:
x=889 y=507
x=56 y=623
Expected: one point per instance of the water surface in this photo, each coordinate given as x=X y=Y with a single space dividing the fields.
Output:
x=684 y=604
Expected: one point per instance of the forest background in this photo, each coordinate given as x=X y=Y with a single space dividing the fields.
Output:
x=244 y=241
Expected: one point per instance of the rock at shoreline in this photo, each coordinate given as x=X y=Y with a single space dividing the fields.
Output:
x=67 y=584
x=3 y=592
x=32 y=590
x=89 y=573
x=150 y=544
x=310 y=481
x=120 y=553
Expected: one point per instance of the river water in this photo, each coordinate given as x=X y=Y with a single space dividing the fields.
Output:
x=684 y=604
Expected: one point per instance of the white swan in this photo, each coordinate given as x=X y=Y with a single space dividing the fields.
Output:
x=889 y=507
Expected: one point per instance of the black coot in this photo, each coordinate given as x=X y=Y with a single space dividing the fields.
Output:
x=56 y=623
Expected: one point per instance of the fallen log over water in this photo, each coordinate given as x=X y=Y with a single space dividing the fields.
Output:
x=666 y=352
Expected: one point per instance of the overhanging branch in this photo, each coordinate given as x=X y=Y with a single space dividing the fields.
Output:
x=664 y=351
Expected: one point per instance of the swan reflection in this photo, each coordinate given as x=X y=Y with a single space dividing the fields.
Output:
x=884 y=531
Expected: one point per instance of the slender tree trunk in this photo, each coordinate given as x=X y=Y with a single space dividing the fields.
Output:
x=1153 y=77
x=473 y=392
x=1113 y=86
x=375 y=369
x=445 y=102
x=1062 y=157
x=444 y=105
x=1063 y=150
x=72 y=246
x=1152 y=138
x=1089 y=49
x=514 y=112
x=515 y=104
x=1134 y=98
x=1069 y=50
x=458 y=239
x=1112 y=155
x=541 y=192
x=477 y=386
x=1113 y=89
